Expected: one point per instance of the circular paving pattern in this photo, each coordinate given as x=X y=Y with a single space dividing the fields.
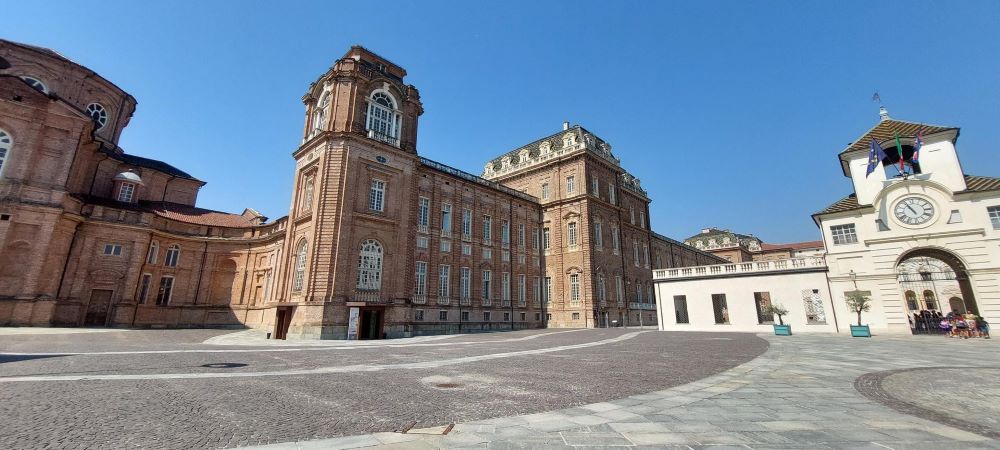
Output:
x=967 y=398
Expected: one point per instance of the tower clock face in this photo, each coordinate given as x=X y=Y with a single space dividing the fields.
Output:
x=914 y=211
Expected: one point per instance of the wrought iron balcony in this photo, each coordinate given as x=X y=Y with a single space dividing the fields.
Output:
x=382 y=137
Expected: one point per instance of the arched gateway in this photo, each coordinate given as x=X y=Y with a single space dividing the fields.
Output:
x=935 y=283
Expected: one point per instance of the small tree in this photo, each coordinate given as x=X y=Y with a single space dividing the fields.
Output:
x=858 y=302
x=775 y=309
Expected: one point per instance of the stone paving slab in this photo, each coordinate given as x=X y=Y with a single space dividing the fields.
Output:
x=799 y=394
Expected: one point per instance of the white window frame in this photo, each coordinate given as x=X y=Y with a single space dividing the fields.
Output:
x=444 y=281
x=598 y=236
x=574 y=289
x=467 y=223
x=611 y=193
x=571 y=184
x=370 y=265
x=112 y=250
x=165 y=286
x=522 y=290
x=505 y=288
x=545 y=191
x=520 y=235
x=144 y=283
x=844 y=234
x=153 y=254
x=616 y=243
x=446 y=217
x=465 y=283
x=487 y=296
x=6 y=145
x=572 y=234
x=595 y=186
x=420 y=278
x=173 y=256
x=376 y=196
x=99 y=114
x=487 y=228
x=546 y=238
x=383 y=122
x=300 y=265
x=423 y=212
x=994 y=213
x=126 y=192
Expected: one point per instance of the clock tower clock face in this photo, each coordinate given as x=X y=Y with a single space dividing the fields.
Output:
x=914 y=211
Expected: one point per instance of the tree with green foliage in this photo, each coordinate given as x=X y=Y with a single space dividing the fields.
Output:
x=858 y=302
x=775 y=309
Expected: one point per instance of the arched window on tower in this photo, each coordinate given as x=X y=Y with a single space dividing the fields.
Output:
x=929 y=301
x=36 y=83
x=320 y=114
x=6 y=143
x=383 y=119
x=911 y=300
x=370 y=266
x=299 y=275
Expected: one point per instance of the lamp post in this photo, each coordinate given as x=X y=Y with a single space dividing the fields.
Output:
x=854 y=278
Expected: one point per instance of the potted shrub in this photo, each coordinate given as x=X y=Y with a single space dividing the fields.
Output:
x=780 y=329
x=858 y=302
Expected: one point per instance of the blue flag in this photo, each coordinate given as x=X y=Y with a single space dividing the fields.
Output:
x=875 y=157
x=918 y=141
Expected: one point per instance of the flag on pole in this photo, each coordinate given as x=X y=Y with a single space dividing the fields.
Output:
x=899 y=149
x=918 y=141
x=875 y=157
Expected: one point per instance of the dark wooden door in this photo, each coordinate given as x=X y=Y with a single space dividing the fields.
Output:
x=97 y=309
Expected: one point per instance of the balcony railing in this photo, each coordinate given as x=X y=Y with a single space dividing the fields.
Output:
x=446 y=234
x=370 y=296
x=642 y=306
x=465 y=301
x=812 y=262
x=422 y=229
x=444 y=301
x=382 y=137
x=419 y=299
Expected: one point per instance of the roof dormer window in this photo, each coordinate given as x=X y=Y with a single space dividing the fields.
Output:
x=97 y=112
x=126 y=192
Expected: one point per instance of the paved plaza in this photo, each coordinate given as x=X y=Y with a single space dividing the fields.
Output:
x=525 y=389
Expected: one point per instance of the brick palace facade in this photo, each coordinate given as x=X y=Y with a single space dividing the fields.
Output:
x=379 y=241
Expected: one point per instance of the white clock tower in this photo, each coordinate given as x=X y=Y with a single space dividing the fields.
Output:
x=920 y=235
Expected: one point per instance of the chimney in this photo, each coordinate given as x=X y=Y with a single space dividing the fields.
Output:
x=565 y=126
x=883 y=114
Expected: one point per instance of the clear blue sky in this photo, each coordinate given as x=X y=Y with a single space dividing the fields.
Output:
x=731 y=113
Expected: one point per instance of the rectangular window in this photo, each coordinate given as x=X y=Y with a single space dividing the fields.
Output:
x=467 y=223
x=642 y=219
x=505 y=288
x=422 y=242
x=574 y=289
x=506 y=317
x=520 y=260
x=762 y=301
x=154 y=248
x=548 y=289
x=524 y=317
x=443 y=315
x=487 y=316
x=487 y=228
x=534 y=239
x=545 y=191
x=166 y=289
x=576 y=316
x=444 y=281
x=571 y=233
x=112 y=249
x=538 y=317
x=505 y=255
x=420 y=272
x=615 y=240
x=843 y=234
x=465 y=283
x=535 y=290
x=465 y=316
x=520 y=234
x=376 y=196
x=720 y=309
x=487 y=253
x=600 y=288
x=445 y=246
x=994 y=212
x=619 y=289
x=126 y=192
x=546 y=238
x=418 y=315
x=423 y=212
x=631 y=215
x=598 y=236
x=144 y=288
x=486 y=288
x=611 y=193
x=570 y=184
x=595 y=186
x=466 y=249
x=505 y=232
x=446 y=217
x=645 y=255
x=522 y=290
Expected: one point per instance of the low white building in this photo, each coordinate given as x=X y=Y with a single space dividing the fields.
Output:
x=921 y=236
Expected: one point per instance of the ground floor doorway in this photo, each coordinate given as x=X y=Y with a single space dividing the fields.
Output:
x=98 y=307
x=370 y=323
x=936 y=289
x=282 y=320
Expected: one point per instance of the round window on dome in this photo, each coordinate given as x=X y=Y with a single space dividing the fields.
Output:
x=37 y=84
x=98 y=114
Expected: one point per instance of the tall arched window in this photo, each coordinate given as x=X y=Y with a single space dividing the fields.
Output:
x=370 y=266
x=383 y=121
x=300 y=266
x=911 y=300
x=321 y=113
x=6 y=143
x=929 y=300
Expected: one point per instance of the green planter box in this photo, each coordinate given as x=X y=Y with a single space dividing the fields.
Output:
x=861 y=331
x=782 y=330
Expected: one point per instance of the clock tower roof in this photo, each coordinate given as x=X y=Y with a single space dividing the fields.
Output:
x=887 y=129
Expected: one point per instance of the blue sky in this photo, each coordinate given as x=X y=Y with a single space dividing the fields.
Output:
x=731 y=113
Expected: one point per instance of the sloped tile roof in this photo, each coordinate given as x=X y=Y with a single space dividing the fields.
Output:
x=887 y=129
x=848 y=203
x=792 y=246
x=973 y=183
x=157 y=165
x=177 y=211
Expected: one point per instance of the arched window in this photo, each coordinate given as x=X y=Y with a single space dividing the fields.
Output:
x=6 y=143
x=36 y=83
x=383 y=121
x=173 y=255
x=154 y=249
x=300 y=266
x=98 y=113
x=911 y=300
x=320 y=113
x=929 y=299
x=370 y=266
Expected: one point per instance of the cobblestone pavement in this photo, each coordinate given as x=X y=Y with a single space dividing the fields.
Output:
x=168 y=389
x=800 y=394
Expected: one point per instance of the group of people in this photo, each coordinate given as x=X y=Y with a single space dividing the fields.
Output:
x=954 y=324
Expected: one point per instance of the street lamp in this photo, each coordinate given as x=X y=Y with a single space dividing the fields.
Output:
x=854 y=278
